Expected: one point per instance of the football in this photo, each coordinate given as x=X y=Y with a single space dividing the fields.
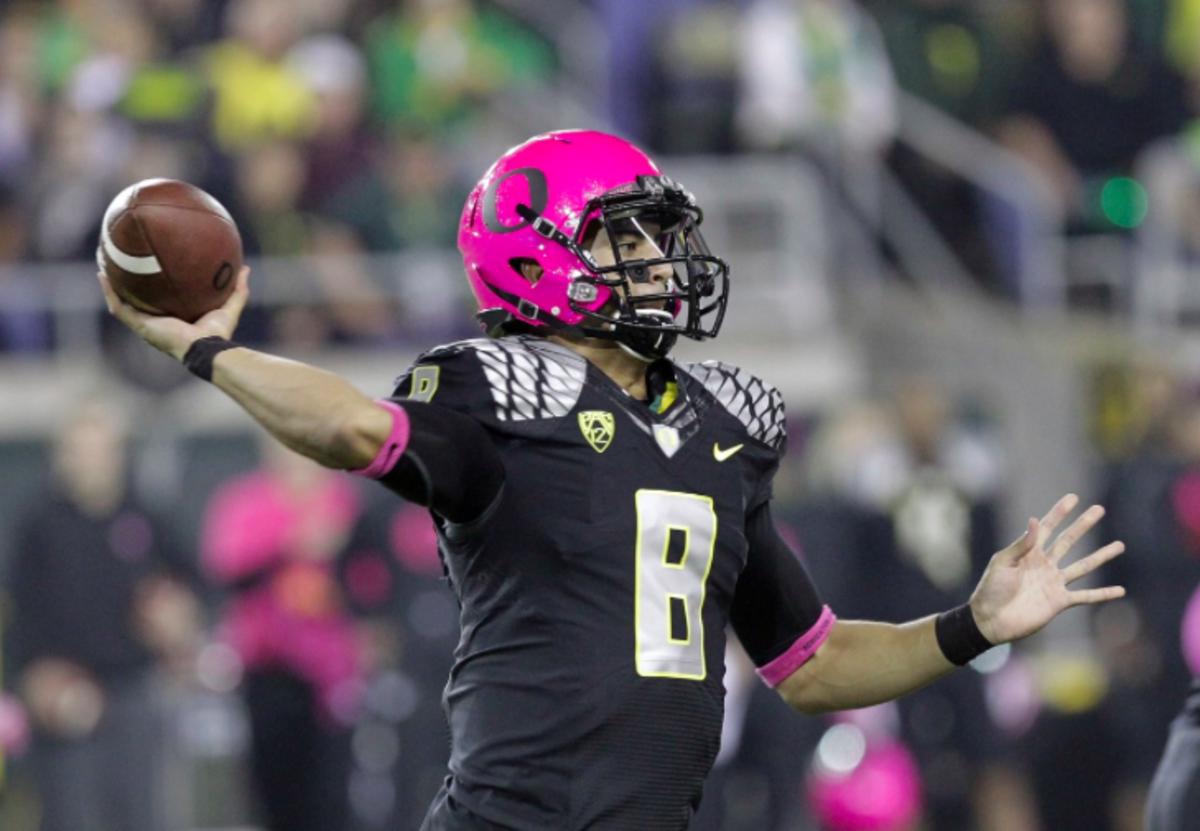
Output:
x=169 y=248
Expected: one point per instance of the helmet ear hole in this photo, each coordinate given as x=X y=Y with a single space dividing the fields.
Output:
x=529 y=269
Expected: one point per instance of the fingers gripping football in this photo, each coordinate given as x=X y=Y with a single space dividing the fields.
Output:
x=170 y=334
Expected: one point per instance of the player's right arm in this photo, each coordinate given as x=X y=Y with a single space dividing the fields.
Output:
x=312 y=411
x=430 y=455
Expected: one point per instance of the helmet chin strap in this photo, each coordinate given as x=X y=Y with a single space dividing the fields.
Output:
x=647 y=345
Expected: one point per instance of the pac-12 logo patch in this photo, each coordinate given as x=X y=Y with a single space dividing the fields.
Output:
x=597 y=427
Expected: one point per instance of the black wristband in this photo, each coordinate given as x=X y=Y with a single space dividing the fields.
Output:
x=200 y=355
x=959 y=637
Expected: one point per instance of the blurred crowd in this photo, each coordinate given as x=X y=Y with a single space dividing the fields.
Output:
x=335 y=130
x=328 y=128
x=318 y=604
x=355 y=126
x=309 y=612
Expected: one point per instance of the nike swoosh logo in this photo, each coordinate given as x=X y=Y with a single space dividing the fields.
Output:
x=721 y=455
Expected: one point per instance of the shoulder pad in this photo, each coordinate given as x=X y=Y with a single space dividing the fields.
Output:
x=751 y=400
x=528 y=376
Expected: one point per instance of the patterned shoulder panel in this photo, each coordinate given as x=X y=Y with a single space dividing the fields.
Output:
x=529 y=377
x=754 y=402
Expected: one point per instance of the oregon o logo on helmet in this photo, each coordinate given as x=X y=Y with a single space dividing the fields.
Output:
x=536 y=180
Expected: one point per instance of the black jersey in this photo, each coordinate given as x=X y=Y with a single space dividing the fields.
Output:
x=597 y=585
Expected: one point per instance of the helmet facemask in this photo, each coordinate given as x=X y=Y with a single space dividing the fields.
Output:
x=657 y=215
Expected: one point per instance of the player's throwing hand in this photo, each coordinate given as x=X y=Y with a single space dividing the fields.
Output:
x=172 y=335
x=1025 y=585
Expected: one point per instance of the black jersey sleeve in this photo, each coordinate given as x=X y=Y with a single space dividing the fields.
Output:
x=449 y=463
x=777 y=612
x=451 y=377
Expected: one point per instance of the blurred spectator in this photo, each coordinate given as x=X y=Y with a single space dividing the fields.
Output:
x=356 y=309
x=340 y=153
x=270 y=181
x=21 y=105
x=120 y=44
x=62 y=34
x=947 y=53
x=756 y=783
x=274 y=540
x=83 y=154
x=1088 y=104
x=24 y=323
x=435 y=62
x=87 y=146
x=163 y=95
x=815 y=72
x=399 y=193
x=1075 y=748
x=692 y=80
x=403 y=702
x=258 y=94
x=343 y=301
x=97 y=604
x=1182 y=36
x=815 y=80
x=424 y=192
x=924 y=494
x=630 y=28
x=185 y=24
x=950 y=54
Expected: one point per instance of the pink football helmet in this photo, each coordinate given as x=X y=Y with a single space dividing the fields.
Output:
x=544 y=202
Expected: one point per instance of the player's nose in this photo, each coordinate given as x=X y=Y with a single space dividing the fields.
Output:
x=655 y=276
x=660 y=273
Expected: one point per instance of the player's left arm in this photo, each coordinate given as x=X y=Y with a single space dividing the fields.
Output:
x=838 y=665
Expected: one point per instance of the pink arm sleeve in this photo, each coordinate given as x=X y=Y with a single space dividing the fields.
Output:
x=393 y=446
x=800 y=651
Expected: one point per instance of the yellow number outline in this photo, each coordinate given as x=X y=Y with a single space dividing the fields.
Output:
x=693 y=630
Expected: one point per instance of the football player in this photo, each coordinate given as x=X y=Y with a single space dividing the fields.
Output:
x=603 y=511
x=1173 y=803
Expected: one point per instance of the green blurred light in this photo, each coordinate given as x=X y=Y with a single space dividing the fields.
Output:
x=1124 y=202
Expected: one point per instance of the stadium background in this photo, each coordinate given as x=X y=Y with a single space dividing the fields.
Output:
x=963 y=237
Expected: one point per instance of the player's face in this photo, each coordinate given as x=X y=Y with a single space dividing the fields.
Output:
x=634 y=240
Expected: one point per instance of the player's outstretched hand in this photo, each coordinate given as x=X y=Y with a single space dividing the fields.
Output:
x=172 y=335
x=1026 y=585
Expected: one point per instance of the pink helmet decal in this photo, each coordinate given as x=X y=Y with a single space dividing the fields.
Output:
x=535 y=203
